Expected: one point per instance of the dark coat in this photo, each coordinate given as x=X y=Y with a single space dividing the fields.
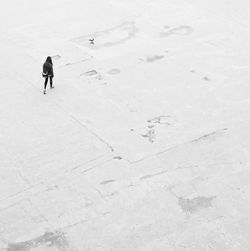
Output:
x=48 y=68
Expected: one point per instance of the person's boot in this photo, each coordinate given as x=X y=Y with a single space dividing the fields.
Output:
x=51 y=87
x=44 y=91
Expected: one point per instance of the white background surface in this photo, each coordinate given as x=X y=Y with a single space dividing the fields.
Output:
x=144 y=142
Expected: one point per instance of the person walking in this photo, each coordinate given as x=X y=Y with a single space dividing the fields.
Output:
x=48 y=73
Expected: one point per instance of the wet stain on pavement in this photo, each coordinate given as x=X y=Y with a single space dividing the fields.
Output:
x=55 y=241
x=211 y=136
x=150 y=135
x=109 y=37
x=150 y=131
x=195 y=204
x=149 y=176
x=118 y=158
x=163 y=120
x=92 y=74
x=206 y=79
x=107 y=182
x=154 y=58
x=181 y=30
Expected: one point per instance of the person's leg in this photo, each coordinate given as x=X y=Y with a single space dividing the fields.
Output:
x=51 y=82
x=45 y=84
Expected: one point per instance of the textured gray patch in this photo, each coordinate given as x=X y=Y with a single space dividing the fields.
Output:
x=117 y=157
x=182 y=30
x=107 y=182
x=90 y=73
x=55 y=241
x=110 y=37
x=211 y=136
x=114 y=71
x=166 y=120
x=206 y=79
x=154 y=58
x=149 y=176
x=150 y=135
x=193 y=205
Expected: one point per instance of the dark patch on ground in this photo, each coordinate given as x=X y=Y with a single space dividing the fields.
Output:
x=154 y=58
x=107 y=182
x=48 y=241
x=118 y=157
x=195 y=204
x=207 y=79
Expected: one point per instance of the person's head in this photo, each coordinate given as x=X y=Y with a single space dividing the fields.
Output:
x=49 y=60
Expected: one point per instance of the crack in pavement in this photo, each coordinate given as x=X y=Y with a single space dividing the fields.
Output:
x=93 y=133
x=204 y=137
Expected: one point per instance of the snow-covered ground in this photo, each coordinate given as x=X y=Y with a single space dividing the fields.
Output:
x=144 y=144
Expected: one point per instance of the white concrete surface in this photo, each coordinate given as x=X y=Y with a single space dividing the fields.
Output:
x=144 y=143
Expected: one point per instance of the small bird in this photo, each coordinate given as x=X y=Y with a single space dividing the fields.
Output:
x=91 y=40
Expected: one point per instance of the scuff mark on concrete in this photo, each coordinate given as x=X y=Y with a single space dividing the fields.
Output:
x=150 y=134
x=92 y=73
x=195 y=204
x=206 y=78
x=114 y=71
x=181 y=30
x=154 y=58
x=48 y=241
x=109 y=37
x=148 y=176
x=163 y=120
x=211 y=135
x=107 y=182
x=118 y=158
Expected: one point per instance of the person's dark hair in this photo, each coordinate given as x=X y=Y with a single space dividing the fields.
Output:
x=49 y=60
